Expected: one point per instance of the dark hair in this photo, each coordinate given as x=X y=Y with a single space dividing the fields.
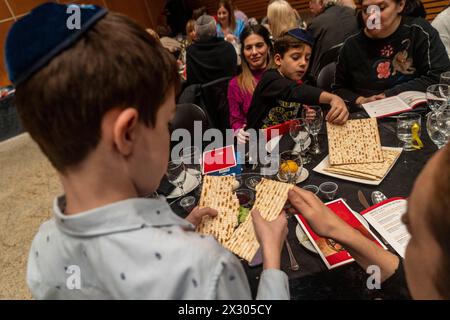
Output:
x=287 y=42
x=438 y=217
x=246 y=80
x=115 y=64
x=413 y=8
x=229 y=7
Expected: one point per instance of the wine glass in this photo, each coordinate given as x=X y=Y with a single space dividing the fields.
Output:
x=291 y=167
x=299 y=131
x=314 y=117
x=190 y=157
x=438 y=96
x=435 y=133
x=176 y=174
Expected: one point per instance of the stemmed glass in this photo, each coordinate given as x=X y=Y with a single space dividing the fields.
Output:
x=176 y=174
x=434 y=131
x=438 y=96
x=299 y=131
x=443 y=122
x=314 y=117
x=191 y=156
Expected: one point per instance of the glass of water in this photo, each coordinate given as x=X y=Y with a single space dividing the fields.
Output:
x=299 y=131
x=445 y=78
x=405 y=123
x=314 y=117
x=438 y=96
x=434 y=131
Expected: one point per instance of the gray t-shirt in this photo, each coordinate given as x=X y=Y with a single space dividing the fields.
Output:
x=137 y=249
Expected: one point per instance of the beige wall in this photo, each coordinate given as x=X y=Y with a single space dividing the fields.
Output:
x=146 y=12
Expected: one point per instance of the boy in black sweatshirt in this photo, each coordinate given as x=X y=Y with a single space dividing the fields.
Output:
x=281 y=93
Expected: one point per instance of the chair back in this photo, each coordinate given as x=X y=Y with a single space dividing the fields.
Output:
x=326 y=77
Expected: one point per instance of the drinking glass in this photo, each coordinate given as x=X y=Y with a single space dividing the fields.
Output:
x=434 y=131
x=314 y=117
x=299 y=131
x=445 y=78
x=190 y=157
x=443 y=122
x=291 y=167
x=176 y=174
x=438 y=96
x=405 y=123
x=188 y=203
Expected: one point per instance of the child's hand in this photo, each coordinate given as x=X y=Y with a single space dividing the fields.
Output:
x=321 y=219
x=196 y=215
x=242 y=136
x=338 y=113
x=362 y=100
x=271 y=236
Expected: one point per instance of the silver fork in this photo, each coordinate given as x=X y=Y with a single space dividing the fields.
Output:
x=294 y=263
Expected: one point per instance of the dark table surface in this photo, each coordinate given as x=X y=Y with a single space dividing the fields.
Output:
x=313 y=280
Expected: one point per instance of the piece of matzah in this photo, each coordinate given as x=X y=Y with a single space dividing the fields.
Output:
x=355 y=142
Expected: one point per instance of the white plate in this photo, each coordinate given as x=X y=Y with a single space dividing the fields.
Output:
x=190 y=184
x=303 y=176
x=325 y=164
x=304 y=240
x=275 y=141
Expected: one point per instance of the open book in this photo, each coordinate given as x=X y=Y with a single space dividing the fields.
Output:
x=385 y=217
x=332 y=253
x=405 y=101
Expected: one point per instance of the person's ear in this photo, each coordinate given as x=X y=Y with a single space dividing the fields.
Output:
x=401 y=6
x=125 y=130
x=277 y=59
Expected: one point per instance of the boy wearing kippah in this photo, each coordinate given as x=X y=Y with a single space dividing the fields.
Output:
x=281 y=93
x=99 y=100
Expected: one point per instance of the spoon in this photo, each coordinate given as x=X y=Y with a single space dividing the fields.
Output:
x=377 y=197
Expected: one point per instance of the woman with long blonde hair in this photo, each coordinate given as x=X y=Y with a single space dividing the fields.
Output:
x=282 y=17
x=256 y=48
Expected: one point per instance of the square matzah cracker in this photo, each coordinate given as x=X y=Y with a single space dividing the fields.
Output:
x=357 y=141
x=217 y=193
x=270 y=199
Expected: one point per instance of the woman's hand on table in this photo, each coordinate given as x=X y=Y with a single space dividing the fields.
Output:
x=321 y=219
x=196 y=215
x=271 y=236
x=242 y=136
x=338 y=113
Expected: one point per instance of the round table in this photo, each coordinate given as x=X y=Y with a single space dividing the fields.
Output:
x=313 y=280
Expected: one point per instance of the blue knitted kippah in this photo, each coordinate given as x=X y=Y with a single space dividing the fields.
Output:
x=44 y=33
x=302 y=35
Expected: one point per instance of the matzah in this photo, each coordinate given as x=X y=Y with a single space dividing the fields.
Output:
x=271 y=197
x=370 y=171
x=355 y=142
x=217 y=193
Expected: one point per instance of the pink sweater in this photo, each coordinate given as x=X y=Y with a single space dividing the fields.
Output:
x=239 y=101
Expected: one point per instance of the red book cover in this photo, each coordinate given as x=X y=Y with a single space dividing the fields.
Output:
x=218 y=159
x=332 y=253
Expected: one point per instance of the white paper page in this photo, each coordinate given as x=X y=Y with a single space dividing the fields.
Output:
x=387 y=106
x=386 y=219
x=412 y=98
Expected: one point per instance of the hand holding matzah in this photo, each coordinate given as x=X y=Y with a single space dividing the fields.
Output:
x=271 y=236
x=197 y=214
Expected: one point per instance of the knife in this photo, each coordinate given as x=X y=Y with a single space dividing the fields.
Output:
x=362 y=199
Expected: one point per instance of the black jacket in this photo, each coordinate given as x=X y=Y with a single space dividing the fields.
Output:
x=412 y=58
x=330 y=29
x=210 y=60
x=277 y=99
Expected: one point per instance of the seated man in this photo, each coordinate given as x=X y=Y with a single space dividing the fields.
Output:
x=209 y=58
x=427 y=261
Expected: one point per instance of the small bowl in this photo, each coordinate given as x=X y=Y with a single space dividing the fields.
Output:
x=246 y=197
x=252 y=182
x=328 y=190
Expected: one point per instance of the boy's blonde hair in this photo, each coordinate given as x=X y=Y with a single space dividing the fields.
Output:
x=282 y=17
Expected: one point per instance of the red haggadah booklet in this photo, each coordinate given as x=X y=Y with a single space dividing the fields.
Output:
x=332 y=253
x=218 y=160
